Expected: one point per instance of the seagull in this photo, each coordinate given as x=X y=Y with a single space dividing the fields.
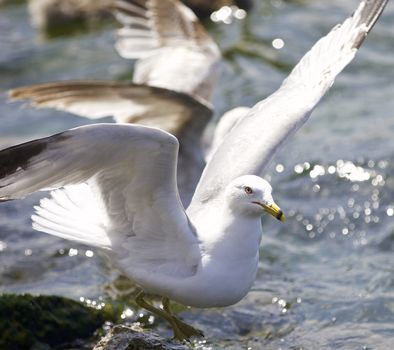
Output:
x=178 y=64
x=114 y=186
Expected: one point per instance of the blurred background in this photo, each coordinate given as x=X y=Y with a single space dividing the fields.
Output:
x=326 y=279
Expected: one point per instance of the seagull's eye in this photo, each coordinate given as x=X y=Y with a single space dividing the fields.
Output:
x=248 y=190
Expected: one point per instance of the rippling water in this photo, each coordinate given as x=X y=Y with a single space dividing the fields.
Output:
x=327 y=276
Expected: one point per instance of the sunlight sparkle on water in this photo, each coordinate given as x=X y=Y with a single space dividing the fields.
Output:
x=73 y=252
x=317 y=170
x=316 y=188
x=127 y=313
x=3 y=246
x=345 y=169
x=300 y=168
x=278 y=43
x=227 y=14
x=349 y=218
x=28 y=252
x=96 y=304
x=89 y=253
x=352 y=172
x=279 y=168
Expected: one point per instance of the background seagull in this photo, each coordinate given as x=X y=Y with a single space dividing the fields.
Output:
x=118 y=187
x=174 y=77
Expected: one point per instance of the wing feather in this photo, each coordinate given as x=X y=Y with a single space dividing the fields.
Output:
x=174 y=50
x=168 y=23
x=249 y=147
x=117 y=188
x=174 y=112
x=127 y=103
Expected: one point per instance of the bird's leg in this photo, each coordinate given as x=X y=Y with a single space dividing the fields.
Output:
x=186 y=329
x=178 y=334
x=166 y=305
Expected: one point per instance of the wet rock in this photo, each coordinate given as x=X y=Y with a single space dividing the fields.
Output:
x=128 y=338
x=45 y=322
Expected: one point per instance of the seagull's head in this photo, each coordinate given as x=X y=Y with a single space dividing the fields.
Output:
x=251 y=195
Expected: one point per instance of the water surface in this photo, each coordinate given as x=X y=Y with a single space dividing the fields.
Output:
x=326 y=278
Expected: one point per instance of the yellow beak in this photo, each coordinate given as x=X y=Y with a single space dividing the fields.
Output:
x=274 y=210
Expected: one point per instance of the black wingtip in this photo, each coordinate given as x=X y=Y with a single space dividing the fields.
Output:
x=19 y=157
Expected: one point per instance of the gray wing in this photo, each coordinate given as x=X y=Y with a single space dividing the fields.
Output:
x=127 y=103
x=116 y=189
x=249 y=147
x=173 y=48
x=174 y=112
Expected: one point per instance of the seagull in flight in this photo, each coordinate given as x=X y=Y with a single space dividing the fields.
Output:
x=114 y=186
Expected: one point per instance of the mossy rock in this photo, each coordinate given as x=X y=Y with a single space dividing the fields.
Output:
x=42 y=322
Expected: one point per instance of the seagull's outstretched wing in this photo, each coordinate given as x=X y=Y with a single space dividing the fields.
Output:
x=128 y=103
x=225 y=124
x=174 y=112
x=173 y=48
x=116 y=189
x=249 y=147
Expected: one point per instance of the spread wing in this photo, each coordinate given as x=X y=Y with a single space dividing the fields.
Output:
x=115 y=188
x=127 y=103
x=173 y=48
x=251 y=144
x=225 y=124
x=174 y=112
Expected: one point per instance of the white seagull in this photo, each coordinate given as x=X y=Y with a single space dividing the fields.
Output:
x=177 y=67
x=115 y=187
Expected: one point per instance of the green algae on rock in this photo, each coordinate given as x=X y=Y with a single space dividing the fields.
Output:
x=41 y=322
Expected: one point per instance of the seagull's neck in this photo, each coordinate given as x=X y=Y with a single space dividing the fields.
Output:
x=229 y=236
